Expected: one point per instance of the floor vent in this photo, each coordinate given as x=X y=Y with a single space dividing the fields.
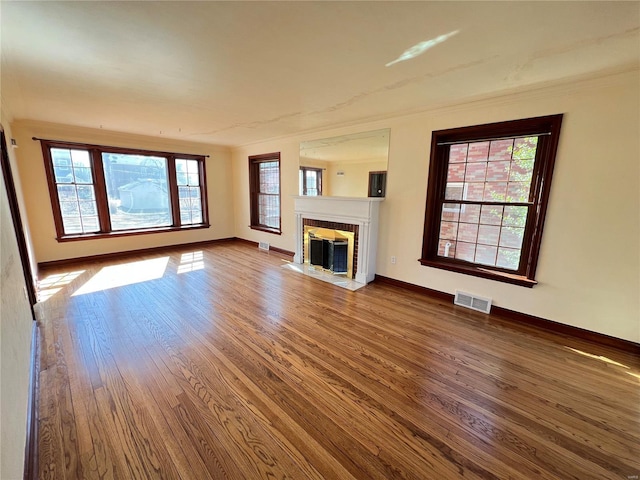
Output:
x=471 y=301
x=263 y=246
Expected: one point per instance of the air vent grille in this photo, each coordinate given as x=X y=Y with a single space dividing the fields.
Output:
x=473 y=302
x=263 y=246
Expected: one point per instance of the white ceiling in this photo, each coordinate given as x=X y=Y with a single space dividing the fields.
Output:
x=361 y=146
x=232 y=73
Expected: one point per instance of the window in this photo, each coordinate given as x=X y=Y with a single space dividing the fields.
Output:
x=99 y=191
x=264 y=188
x=310 y=181
x=487 y=198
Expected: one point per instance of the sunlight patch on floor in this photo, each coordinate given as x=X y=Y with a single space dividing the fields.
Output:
x=597 y=357
x=52 y=284
x=124 y=274
x=191 y=261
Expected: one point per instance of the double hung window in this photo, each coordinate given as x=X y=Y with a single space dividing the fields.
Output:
x=487 y=197
x=264 y=188
x=97 y=191
x=310 y=181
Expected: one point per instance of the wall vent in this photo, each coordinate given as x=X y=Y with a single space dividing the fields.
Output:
x=472 y=301
x=263 y=246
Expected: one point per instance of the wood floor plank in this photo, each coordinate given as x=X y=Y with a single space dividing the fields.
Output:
x=233 y=367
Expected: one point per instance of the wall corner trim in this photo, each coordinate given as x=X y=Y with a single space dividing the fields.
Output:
x=31 y=444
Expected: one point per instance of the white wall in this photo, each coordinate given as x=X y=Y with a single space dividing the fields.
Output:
x=38 y=204
x=589 y=265
x=355 y=179
x=289 y=178
x=15 y=340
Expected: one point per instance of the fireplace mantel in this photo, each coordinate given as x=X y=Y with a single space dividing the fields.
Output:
x=356 y=211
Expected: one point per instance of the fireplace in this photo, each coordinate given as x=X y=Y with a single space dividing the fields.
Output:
x=331 y=246
x=336 y=220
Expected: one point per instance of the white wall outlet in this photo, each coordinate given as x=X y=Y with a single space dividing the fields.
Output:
x=393 y=260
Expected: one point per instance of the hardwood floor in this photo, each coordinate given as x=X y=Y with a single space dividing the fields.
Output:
x=218 y=363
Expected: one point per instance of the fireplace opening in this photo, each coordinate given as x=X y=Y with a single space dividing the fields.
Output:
x=330 y=249
x=329 y=254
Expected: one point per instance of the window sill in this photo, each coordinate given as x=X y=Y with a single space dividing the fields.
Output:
x=128 y=233
x=478 y=271
x=275 y=231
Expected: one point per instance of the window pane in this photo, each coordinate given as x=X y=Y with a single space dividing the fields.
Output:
x=476 y=172
x=467 y=232
x=500 y=150
x=61 y=159
x=71 y=225
x=473 y=191
x=482 y=234
x=470 y=213
x=495 y=191
x=455 y=172
x=478 y=152
x=515 y=216
x=491 y=215
x=182 y=175
x=448 y=231
x=188 y=178
x=465 y=251
x=458 y=153
x=82 y=175
x=496 y=171
x=447 y=248
x=525 y=147
x=137 y=191
x=454 y=191
x=311 y=179
x=511 y=237
x=69 y=209
x=269 y=177
x=196 y=216
x=488 y=234
x=521 y=171
x=90 y=224
x=190 y=205
x=486 y=255
x=67 y=193
x=508 y=258
x=77 y=202
x=451 y=212
x=269 y=210
x=518 y=192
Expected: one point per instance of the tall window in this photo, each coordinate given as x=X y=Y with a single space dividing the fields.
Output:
x=310 y=181
x=487 y=198
x=264 y=187
x=98 y=191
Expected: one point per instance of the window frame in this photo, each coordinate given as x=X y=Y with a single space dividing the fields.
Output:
x=100 y=190
x=547 y=128
x=254 y=192
x=318 y=180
